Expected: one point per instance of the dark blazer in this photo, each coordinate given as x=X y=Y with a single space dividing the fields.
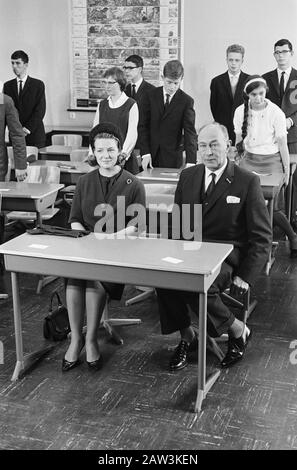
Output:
x=31 y=108
x=9 y=117
x=144 y=88
x=245 y=223
x=164 y=134
x=289 y=103
x=222 y=103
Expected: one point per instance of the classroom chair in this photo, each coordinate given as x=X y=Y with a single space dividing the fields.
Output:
x=79 y=155
x=69 y=140
x=32 y=155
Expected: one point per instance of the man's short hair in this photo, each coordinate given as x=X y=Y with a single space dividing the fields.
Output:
x=135 y=59
x=20 y=55
x=235 y=48
x=118 y=75
x=223 y=129
x=284 y=42
x=173 y=69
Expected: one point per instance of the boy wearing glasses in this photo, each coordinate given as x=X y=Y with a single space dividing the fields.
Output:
x=137 y=87
x=282 y=84
x=168 y=124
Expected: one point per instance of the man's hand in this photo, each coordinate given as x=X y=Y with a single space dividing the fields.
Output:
x=238 y=287
x=146 y=161
x=21 y=175
x=26 y=131
x=289 y=123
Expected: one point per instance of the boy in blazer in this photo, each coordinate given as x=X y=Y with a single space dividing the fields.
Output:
x=168 y=124
x=28 y=95
x=233 y=211
x=226 y=89
x=282 y=84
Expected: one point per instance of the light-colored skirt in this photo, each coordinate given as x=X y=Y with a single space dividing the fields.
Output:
x=266 y=164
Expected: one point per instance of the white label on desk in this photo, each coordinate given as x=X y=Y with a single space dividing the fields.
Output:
x=2 y=190
x=191 y=246
x=169 y=173
x=169 y=259
x=39 y=247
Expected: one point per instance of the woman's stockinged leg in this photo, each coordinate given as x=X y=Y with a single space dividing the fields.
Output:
x=75 y=298
x=95 y=303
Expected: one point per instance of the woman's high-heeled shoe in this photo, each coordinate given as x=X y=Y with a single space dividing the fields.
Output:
x=95 y=365
x=68 y=365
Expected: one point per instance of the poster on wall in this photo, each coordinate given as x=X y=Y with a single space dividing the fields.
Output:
x=105 y=33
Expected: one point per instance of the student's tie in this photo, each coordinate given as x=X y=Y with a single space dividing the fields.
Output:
x=282 y=86
x=166 y=102
x=20 y=89
x=233 y=85
x=133 y=93
x=211 y=185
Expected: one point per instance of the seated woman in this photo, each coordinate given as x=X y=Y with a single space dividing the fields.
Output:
x=122 y=111
x=261 y=139
x=101 y=186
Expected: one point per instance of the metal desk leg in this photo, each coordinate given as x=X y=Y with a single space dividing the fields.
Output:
x=270 y=257
x=23 y=363
x=203 y=385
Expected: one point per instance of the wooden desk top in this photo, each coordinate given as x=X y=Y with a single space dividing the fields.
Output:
x=67 y=128
x=13 y=189
x=140 y=253
x=160 y=175
x=65 y=166
x=58 y=149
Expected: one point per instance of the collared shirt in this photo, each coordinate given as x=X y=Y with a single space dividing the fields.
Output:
x=23 y=82
x=137 y=84
x=170 y=96
x=233 y=79
x=218 y=173
x=286 y=75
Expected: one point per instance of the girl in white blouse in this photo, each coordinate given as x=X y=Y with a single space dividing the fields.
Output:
x=261 y=139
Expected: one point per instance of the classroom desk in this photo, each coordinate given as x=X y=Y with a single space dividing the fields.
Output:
x=29 y=197
x=84 y=131
x=69 y=171
x=160 y=175
x=56 y=152
x=142 y=261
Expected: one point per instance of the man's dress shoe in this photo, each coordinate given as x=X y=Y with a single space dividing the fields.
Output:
x=179 y=359
x=236 y=349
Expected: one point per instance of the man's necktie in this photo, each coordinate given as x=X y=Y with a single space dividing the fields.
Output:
x=282 y=86
x=133 y=92
x=20 y=89
x=211 y=185
x=233 y=85
x=166 y=102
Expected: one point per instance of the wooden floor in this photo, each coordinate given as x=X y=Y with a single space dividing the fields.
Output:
x=134 y=402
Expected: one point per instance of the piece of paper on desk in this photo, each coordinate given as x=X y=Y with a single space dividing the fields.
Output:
x=192 y=246
x=39 y=247
x=169 y=173
x=261 y=174
x=169 y=259
x=2 y=190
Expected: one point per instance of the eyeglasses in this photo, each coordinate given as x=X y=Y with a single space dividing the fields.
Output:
x=281 y=52
x=108 y=83
x=127 y=67
x=213 y=146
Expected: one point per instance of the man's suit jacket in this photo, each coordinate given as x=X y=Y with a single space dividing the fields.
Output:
x=234 y=213
x=9 y=117
x=145 y=87
x=165 y=133
x=31 y=108
x=222 y=103
x=289 y=102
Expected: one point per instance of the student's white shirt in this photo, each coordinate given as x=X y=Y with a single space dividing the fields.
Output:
x=218 y=173
x=131 y=137
x=265 y=127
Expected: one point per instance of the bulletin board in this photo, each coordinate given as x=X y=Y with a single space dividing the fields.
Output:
x=105 y=32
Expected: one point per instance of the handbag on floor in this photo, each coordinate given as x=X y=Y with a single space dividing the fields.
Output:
x=56 y=324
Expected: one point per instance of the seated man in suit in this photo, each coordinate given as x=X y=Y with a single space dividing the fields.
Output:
x=168 y=124
x=226 y=89
x=29 y=98
x=233 y=211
